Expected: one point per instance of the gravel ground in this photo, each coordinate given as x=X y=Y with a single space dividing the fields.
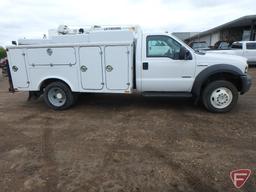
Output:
x=124 y=143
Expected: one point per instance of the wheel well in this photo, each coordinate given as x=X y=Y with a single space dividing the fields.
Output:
x=224 y=76
x=48 y=81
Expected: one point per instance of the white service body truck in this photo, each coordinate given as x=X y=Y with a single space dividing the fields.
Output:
x=123 y=60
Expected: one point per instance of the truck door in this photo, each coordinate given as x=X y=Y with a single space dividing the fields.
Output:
x=162 y=70
x=91 y=68
x=18 y=68
x=117 y=65
x=250 y=51
x=238 y=49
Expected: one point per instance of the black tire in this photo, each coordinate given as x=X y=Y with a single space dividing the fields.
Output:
x=208 y=99
x=65 y=91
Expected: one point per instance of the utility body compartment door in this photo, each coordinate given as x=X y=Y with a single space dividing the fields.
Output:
x=117 y=67
x=18 y=68
x=51 y=56
x=91 y=68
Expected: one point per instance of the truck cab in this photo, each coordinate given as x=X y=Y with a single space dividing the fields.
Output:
x=168 y=65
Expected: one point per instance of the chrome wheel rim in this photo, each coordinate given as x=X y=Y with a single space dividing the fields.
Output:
x=57 y=97
x=221 y=97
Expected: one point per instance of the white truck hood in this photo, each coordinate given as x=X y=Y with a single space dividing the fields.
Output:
x=228 y=51
x=209 y=59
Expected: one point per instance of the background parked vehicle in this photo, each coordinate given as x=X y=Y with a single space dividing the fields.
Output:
x=220 y=45
x=245 y=49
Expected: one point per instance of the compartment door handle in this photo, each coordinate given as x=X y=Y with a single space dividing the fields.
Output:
x=109 y=68
x=145 y=66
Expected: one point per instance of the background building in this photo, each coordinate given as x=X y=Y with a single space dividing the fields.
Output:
x=184 y=35
x=242 y=29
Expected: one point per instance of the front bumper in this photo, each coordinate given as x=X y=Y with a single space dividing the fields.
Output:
x=246 y=83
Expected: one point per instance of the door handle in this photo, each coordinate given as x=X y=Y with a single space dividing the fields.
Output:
x=145 y=66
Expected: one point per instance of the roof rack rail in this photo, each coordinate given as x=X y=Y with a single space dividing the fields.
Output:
x=65 y=30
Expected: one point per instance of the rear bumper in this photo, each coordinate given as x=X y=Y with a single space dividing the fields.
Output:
x=246 y=83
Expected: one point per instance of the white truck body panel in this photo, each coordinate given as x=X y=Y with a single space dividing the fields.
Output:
x=67 y=66
x=80 y=60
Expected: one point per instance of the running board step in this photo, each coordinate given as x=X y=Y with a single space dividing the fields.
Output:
x=167 y=94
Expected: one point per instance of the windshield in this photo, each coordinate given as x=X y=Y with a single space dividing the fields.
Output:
x=200 y=45
x=224 y=45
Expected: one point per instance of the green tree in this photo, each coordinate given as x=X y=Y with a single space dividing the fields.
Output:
x=2 y=53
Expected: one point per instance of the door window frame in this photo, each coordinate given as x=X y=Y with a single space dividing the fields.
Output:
x=238 y=46
x=158 y=56
x=251 y=44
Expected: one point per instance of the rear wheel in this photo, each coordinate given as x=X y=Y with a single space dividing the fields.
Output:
x=220 y=96
x=58 y=96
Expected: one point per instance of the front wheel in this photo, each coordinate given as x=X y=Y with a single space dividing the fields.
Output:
x=220 y=96
x=58 y=96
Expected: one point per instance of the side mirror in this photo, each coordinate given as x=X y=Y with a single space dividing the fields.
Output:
x=184 y=54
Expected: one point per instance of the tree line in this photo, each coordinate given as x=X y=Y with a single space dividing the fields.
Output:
x=2 y=53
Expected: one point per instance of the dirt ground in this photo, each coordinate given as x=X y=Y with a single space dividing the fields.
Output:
x=124 y=143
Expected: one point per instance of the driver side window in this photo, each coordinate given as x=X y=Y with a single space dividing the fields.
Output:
x=163 y=46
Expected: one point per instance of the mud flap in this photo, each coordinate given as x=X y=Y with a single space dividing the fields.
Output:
x=33 y=95
x=11 y=88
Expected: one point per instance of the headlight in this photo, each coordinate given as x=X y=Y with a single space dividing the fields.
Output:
x=246 y=69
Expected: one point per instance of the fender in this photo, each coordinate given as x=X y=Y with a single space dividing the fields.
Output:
x=39 y=84
x=214 y=69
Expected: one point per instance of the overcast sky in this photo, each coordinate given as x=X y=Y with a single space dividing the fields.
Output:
x=33 y=18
